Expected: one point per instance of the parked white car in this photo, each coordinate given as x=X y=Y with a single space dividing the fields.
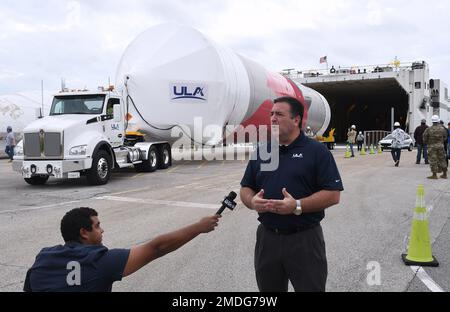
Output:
x=386 y=143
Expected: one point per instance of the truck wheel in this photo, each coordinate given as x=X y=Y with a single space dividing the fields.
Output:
x=151 y=163
x=37 y=180
x=100 y=171
x=410 y=148
x=164 y=157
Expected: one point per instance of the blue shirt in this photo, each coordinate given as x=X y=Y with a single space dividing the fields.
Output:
x=305 y=167
x=100 y=267
x=9 y=139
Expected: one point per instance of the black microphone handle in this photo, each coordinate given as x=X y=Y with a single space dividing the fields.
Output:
x=221 y=209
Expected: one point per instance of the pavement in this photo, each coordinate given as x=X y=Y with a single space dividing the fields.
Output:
x=368 y=227
x=2 y=149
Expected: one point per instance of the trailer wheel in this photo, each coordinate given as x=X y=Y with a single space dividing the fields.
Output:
x=37 y=180
x=164 y=157
x=100 y=171
x=151 y=163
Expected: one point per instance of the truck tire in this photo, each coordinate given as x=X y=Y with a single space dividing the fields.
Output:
x=151 y=163
x=410 y=147
x=100 y=171
x=37 y=180
x=164 y=157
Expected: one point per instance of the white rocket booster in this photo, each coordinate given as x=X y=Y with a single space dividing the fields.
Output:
x=174 y=74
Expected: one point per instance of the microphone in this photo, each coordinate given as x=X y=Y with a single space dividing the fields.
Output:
x=228 y=203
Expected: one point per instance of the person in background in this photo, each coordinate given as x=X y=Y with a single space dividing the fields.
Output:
x=445 y=140
x=360 y=140
x=398 y=137
x=351 y=138
x=418 y=137
x=10 y=143
x=448 y=141
x=434 y=138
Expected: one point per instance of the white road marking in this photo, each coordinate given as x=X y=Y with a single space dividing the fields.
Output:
x=159 y=202
x=190 y=185
x=39 y=208
x=173 y=169
x=426 y=279
x=149 y=188
x=137 y=175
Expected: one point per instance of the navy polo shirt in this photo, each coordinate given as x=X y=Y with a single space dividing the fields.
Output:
x=305 y=167
x=100 y=267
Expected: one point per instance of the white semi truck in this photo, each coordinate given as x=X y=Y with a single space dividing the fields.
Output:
x=84 y=134
x=168 y=76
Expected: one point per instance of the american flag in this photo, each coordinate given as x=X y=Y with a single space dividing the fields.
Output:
x=323 y=59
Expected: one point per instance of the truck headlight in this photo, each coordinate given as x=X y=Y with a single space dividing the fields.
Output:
x=78 y=150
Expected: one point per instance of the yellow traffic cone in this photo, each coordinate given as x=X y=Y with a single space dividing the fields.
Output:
x=419 y=247
x=348 y=154
x=372 y=151
x=380 y=151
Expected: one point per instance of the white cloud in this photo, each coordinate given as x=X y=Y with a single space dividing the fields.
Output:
x=83 y=40
x=7 y=74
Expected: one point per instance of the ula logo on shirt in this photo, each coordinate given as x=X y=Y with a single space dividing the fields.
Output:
x=297 y=156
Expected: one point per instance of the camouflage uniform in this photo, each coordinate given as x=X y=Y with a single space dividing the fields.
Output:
x=434 y=138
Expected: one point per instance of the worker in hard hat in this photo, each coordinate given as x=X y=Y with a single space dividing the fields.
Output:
x=434 y=137
x=351 y=138
x=309 y=133
x=398 y=137
x=360 y=140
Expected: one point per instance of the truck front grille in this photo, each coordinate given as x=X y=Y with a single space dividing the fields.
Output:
x=43 y=145
x=31 y=145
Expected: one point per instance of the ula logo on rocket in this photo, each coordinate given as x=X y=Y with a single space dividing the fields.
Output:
x=188 y=91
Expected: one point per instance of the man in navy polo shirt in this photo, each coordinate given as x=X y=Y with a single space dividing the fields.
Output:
x=290 y=201
x=84 y=264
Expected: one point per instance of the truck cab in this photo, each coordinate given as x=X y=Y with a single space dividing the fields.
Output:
x=85 y=135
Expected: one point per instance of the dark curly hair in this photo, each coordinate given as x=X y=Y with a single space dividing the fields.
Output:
x=74 y=220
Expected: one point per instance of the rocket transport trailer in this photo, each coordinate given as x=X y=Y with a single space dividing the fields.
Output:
x=167 y=77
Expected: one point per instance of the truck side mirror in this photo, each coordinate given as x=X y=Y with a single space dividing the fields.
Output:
x=38 y=113
x=116 y=112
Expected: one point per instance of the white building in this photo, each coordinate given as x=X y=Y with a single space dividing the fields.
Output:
x=374 y=97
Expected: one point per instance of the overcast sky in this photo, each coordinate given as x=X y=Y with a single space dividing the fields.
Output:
x=83 y=40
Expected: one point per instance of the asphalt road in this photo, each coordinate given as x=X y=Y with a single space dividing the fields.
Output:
x=369 y=225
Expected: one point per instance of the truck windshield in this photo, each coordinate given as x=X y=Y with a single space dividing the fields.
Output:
x=77 y=104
